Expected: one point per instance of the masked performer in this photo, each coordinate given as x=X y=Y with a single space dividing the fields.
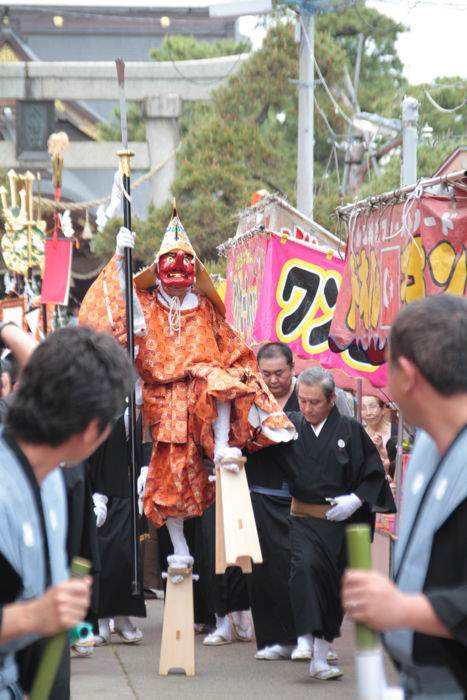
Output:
x=202 y=392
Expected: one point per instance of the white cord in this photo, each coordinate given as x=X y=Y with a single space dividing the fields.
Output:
x=175 y=313
x=445 y=110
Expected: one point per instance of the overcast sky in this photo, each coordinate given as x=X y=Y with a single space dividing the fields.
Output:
x=434 y=44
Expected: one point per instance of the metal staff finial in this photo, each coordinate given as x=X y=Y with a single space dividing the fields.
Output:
x=120 y=64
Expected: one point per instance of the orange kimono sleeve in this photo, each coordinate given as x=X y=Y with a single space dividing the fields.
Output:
x=103 y=306
x=240 y=360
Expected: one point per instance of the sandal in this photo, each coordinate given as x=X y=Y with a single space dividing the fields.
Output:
x=127 y=631
x=215 y=639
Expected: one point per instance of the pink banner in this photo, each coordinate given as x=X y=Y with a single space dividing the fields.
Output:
x=398 y=253
x=57 y=271
x=296 y=305
x=245 y=269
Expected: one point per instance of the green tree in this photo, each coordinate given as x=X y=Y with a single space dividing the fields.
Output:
x=234 y=144
x=184 y=48
x=381 y=83
x=173 y=48
x=111 y=131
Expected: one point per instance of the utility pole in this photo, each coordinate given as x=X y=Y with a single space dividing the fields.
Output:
x=409 y=107
x=305 y=114
x=409 y=140
x=351 y=146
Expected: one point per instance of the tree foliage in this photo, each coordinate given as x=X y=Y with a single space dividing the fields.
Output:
x=234 y=144
x=184 y=48
x=111 y=131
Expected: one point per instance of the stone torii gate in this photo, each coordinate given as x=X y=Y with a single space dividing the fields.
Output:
x=160 y=87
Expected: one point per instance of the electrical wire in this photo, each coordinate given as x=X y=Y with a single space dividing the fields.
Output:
x=373 y=27
x=206 y=81
x=445 y=110
x=336 y=162
x=435 y=3
x=325 y=119
x=325 y=174
x=321 y=77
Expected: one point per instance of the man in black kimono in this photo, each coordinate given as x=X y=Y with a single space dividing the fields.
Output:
x=336 y=477
x=110 y=480
x=270 y=497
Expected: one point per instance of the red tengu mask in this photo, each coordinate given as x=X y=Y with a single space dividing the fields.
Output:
x=177 y=269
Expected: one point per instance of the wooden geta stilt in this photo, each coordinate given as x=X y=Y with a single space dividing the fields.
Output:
x=237 y=541
x=178 y=635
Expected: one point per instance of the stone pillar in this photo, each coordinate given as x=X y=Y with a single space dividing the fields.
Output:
x=162 y=134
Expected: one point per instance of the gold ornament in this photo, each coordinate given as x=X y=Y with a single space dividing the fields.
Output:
x=23 y=241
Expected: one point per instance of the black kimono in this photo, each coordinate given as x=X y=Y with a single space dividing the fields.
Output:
x=109 y=475
x=269 y=581
x=341 y=460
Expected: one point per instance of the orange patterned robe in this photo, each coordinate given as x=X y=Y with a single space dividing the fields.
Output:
x=182 y=378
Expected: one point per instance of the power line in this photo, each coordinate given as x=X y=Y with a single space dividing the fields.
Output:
x=204 y=81
x=435 y=3
x=321 y=77
x=445 y=110
x=325 y=120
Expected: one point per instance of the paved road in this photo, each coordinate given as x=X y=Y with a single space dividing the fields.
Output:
x=126 y=672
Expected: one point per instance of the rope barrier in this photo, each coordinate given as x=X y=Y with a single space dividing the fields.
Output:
x=51 y=205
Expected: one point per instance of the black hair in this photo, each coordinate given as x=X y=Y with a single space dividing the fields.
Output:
x=74 y=376
x=270 y=350
x=391 y=448
x=381 y=403
x=9 y=364
x=432 y=333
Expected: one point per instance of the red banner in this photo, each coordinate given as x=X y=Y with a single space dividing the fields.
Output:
x=397 y=253
x=57 y=271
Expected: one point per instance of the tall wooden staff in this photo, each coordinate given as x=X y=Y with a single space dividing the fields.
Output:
x=125 y=156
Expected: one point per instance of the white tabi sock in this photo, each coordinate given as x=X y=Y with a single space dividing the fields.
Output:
x=320 y=652
x=222 y=628
x=175 y=528
x=305 y=642
x=243 y=623
x=223 y=625
x=284 y=650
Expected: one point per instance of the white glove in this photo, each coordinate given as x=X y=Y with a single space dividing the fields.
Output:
x=125 y=239
x=344 y=507
x=141 y=483
x=139 y=391
x=227 y=453
x=140 y=486
x=100 y=508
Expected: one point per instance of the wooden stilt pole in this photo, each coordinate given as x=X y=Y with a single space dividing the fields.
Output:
x=178 y=632
x=237 y=542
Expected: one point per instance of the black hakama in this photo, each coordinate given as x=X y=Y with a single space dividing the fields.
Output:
x=225 y=592
x=268 y=583
x=109 y=473
x=317 y=564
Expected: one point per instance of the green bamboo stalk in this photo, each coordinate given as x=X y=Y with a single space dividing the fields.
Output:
x=50 y=660
x=359 y=556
